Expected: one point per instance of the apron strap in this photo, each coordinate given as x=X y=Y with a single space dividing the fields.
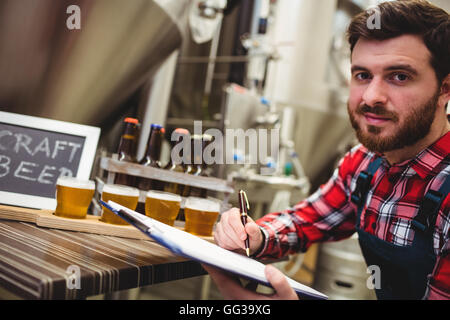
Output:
x=363 y=185
x=429 y=208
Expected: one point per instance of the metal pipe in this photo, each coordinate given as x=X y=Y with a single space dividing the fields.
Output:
x=211 y=64
x=221 y=59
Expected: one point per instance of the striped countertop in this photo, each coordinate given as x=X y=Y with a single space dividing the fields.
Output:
x=36 y=262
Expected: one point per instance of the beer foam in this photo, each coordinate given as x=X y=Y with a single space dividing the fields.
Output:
x=202 y=204
x=121 y=190
x=163 y=196
x=73 y=182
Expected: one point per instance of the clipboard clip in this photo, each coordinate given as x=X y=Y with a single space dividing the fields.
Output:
x=153 y=227
x=148 y=226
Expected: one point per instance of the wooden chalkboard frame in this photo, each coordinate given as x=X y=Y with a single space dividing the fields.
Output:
x=91 y=135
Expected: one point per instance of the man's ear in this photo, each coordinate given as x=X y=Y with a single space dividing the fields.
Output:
x=444 y=94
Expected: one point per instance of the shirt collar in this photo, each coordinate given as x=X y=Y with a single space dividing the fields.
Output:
x=424 y=163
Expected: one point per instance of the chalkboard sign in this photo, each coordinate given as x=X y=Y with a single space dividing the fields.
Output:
x=34 y=152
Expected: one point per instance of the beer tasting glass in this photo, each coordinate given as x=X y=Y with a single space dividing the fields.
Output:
x=162 y=206
x=200 y=215
x=73 y=197
x=123 y=195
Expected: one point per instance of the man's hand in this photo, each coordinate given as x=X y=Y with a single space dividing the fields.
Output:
x=231 y=289
x=230 y=233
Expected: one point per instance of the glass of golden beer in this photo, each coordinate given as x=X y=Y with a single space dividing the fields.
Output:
x=123 y=195
x=200 y=215
x=162 y=206
x=73 y=197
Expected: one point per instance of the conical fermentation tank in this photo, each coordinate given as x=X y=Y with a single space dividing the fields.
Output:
x=52 y=68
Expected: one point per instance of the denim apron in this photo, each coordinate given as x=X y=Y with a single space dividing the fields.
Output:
x=404 y=269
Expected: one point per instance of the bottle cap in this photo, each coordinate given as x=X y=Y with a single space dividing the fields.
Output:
x=156 y=126
x=182 y=131
x=131 y=120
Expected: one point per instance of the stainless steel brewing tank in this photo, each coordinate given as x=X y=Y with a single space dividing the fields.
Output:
x=82 y=75
x=341 y=271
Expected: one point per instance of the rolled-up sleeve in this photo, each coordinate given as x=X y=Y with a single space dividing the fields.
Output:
x=326 y=215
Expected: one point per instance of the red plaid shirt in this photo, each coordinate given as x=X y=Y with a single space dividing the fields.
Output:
x=393 y=201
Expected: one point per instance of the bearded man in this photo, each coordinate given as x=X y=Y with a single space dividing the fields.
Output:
x=392 y=189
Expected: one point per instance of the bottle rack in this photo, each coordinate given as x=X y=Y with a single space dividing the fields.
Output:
x=112 y=166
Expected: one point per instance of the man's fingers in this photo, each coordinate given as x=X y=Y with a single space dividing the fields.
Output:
x=252 y=229
x=230 y=233
x=234 y=219
x=232 y=229
x=221 y=238
x=228 y=240
x=255 y=235
x=233 y=223
x=279 y=283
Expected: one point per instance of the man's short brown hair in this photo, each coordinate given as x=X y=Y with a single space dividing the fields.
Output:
x=415 y=17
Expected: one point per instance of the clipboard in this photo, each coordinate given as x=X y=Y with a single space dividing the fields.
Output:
x=192 y=247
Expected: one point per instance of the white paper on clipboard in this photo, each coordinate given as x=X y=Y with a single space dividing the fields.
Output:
x=190 y=246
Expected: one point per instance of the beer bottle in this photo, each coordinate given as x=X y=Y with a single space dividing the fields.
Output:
x=151 y=158
x=127 y=149
x=172 y=187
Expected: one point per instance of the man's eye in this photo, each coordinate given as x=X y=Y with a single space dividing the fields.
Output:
x=400 y=77
x=362 y=76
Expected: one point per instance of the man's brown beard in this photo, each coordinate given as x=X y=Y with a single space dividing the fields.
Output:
x=417 y=125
